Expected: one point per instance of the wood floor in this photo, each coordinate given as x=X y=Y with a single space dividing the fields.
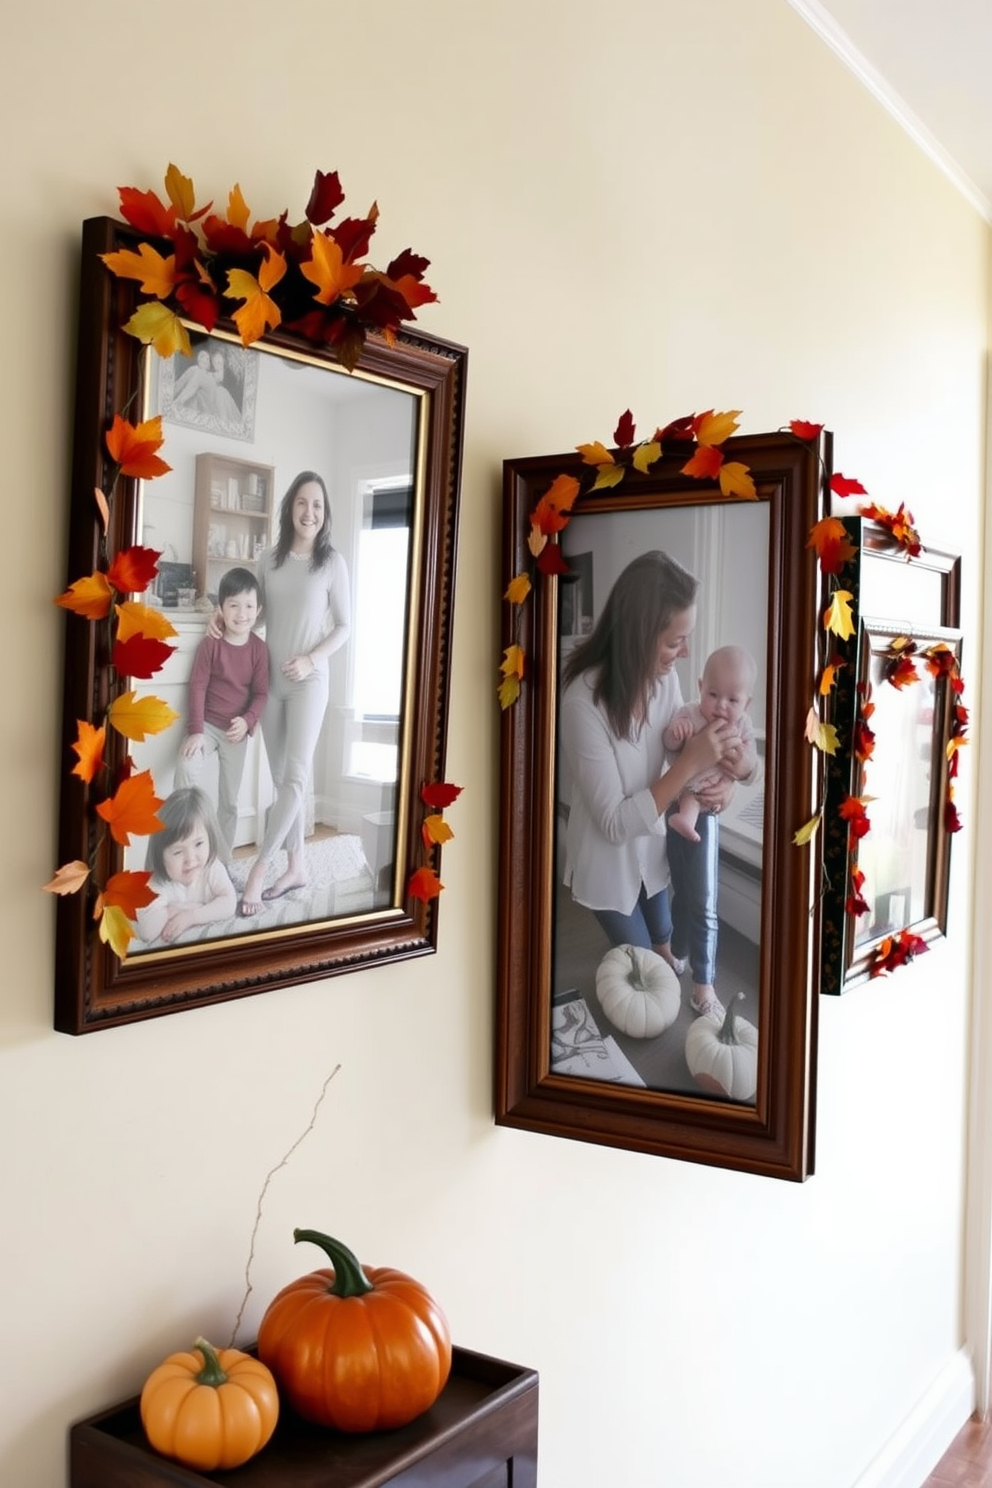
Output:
x=967 y=1463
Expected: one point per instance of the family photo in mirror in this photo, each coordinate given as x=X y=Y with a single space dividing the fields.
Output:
x=286 y=529
x=659 y=793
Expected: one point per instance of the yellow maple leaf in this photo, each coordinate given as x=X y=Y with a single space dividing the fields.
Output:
x=259 y=310
x=509 y=691
x=435 y=829
x=154 y=324
x=134 y=618
x=838 y=618
x=735 y=480
x=821 y=735
x=807 y=831
x=607 y=476
x=155 y=274
x=645 y=456
x=595 y=453
x=518 y=589
x=512 y=664
x=714 y=428
x=135 y=717
x=179 y=190
x=69 y=878
x=328 y=270
x=116 y=930
x=89 y=597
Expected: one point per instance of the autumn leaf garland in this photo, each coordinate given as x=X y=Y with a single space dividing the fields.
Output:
x=311 y=277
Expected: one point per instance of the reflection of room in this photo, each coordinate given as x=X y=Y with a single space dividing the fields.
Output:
x=219 y=506
x=726 y=547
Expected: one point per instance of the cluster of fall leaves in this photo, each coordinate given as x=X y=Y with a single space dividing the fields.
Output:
x=315 y=284
x=310 y=277
x=828 y=538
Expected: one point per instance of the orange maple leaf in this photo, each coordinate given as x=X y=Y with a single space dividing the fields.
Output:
x=127 y=890
x=714 y=428
x=901 y=671
x=179 y=190
x=735 y=480
x=259 y=311
x=69 y=878
x=704 y=464
x=552 y=510
x=89 y=597
x=89 y=746
x=134 y=447
x=133 y=569
x=830 y=540
x=156 y=275
x=424 y=884
x=134 y=618
x=518 y=589
x=132 y=808
x=329 y=271
x=102 y=506
x=136 y=717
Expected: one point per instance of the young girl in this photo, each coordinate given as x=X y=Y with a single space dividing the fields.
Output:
x=191 y=883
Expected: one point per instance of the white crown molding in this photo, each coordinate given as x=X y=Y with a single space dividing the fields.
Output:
x=823 y=23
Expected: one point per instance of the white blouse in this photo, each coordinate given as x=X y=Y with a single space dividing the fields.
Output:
x=616 y=839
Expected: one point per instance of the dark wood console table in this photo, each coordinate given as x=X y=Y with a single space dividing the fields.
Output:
x=480 y=1433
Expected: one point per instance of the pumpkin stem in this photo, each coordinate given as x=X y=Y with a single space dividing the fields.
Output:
x=349 y=1278
x=728 y=1028
x=211 y=1373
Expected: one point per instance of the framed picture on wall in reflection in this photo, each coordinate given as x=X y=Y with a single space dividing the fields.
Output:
x=651 y=939
x=306 y=530
x=895 y=878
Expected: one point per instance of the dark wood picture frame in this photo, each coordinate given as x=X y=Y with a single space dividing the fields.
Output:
x=893 y=598
x=774 y=1135
x=94 y=989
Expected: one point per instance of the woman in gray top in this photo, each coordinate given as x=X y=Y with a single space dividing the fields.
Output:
x=307 y=612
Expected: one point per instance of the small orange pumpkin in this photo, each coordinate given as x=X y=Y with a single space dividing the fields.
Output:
x=357 y=1349
x=211 y=1409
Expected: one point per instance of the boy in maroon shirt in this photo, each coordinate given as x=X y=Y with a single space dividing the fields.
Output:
x=228 y=687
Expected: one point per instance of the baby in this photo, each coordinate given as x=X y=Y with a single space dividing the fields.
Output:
x=725 y=691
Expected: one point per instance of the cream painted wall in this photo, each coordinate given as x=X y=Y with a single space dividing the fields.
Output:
x=658 y=205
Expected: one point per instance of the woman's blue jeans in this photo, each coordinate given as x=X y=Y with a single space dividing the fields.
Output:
x=648 y=925
x=693 y=868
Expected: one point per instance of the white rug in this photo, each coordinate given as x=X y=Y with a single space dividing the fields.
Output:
x=339 y=884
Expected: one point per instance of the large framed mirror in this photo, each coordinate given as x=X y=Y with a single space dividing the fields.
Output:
x=268 y=446
x=657 y=962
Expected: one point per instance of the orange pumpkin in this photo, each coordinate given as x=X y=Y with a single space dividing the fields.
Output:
x=358 y=1349
x=211 y=1409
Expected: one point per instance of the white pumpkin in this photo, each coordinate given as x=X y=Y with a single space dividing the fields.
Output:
x=638 y=991
x=723 y=1057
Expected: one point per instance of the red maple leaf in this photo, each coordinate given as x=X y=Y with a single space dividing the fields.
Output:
x=424 y=884
x=325 y=198
x=856 y=904
x=805 y=431
x=440 y=794
x=133 y=569
x=140 y=656
x=551 y=561
x=843 y=485
x=623 y=434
